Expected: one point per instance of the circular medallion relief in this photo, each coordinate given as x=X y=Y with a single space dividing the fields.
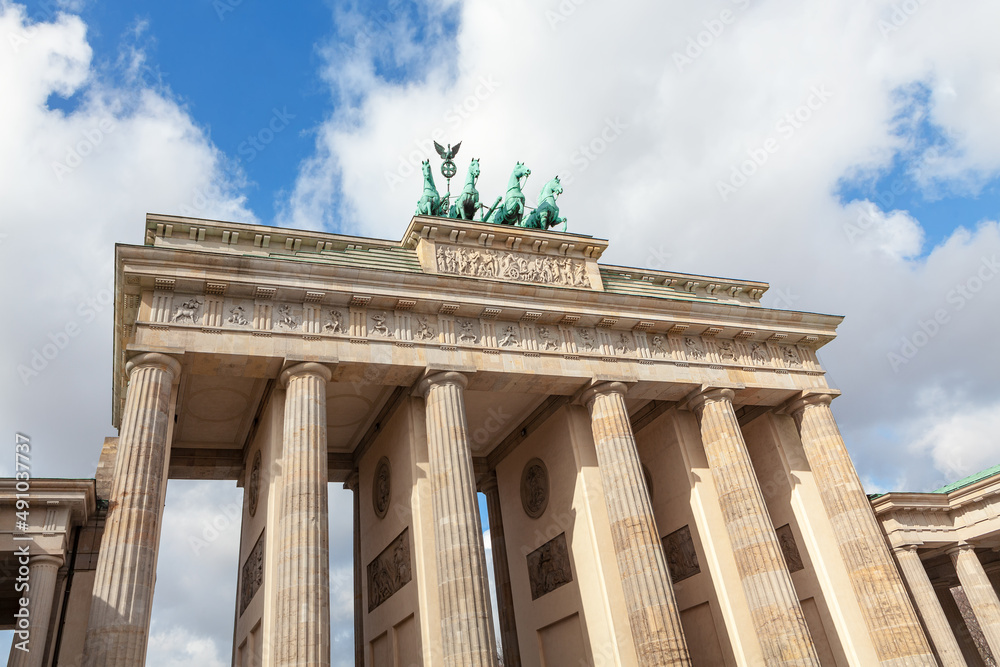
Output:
x=534 y=488
x=381 y=487
x=253 y=487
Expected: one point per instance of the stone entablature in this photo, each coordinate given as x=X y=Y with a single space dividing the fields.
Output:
x=279 y=302
x=938 y=519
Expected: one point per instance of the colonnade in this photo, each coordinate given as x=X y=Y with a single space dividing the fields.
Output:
x=119 y=622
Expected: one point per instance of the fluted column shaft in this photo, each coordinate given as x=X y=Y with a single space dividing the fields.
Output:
x=466 y=624
x=980 y=592
x=649 y=597
x=929 y=606
x=501 y=572
x=359 y=617
x=43 y=572
x=126 y=567
x=774 y=605
x=302 y=634
x=892 y=622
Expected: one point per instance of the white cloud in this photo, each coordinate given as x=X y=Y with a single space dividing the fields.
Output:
x=80 y=181
x=822 y=89
x=179 y=647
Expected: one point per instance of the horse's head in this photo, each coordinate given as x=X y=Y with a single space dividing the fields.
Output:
x=425 y=166
x=555 y=187
x=474 y=167
x=521 y=171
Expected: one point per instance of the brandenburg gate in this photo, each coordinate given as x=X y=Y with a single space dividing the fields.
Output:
x=665 y=480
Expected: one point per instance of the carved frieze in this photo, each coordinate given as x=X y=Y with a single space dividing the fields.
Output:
x=534 y=488
x=586 y=340
x=264 y=317
x=788 y=547
x=389 y=571
x=468 y=332
x=682 y=559
x=237 y=316
x=515 y=266
x=380 y=325
x=381 y=487
x=508 y=335
x=546 y=339
x=187 y=311
x=693 y=349
x=424 y=330
x=759 y=354
x=657 y=346
x=624 y=344
x=286 y=318
x=727 y=351
x=549 y=567
x=334 y=322
x=252 y=574
x=790 y=356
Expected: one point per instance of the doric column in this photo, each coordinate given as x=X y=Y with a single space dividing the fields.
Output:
x=978 y=589
x=126 y=567
x=929 y=606
x=892 y=622
x=43 y=571
x=466 y=624
x=302 y=635
x=501 y=572
x=774 y=605
x=359 y=612
x=649 y=597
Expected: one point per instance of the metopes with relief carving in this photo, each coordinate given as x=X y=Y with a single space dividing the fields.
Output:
x=512 y=266
x=290 y=318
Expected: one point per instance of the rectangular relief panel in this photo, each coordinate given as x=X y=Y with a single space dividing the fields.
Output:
x=788 y=547
x=252 y=574
x=389 y=571
x=682 y=559
x=549 y=567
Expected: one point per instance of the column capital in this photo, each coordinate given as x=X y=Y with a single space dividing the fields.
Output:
x=697 y=399
x=488 y=482
x=602 y=389
x=437 y=378
x=351 y=483
x=906 y=547
x=46 y=559
x=797 y=405
x=156 y=360
x=305 y=368
x=959 y=548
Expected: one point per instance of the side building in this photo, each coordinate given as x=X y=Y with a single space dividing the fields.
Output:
x=947 y=544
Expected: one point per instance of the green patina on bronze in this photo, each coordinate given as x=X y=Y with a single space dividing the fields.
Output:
x=508 y=209
x=546 y=215
x=430 y=203
x=512 y=209
x=467 y=202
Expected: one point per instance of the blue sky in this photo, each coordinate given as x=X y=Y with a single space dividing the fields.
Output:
x=242 y=68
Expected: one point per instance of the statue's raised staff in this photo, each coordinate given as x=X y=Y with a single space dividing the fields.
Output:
x=512 y=209
x=467 y=202
x=546 y=216
x=430 y=202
